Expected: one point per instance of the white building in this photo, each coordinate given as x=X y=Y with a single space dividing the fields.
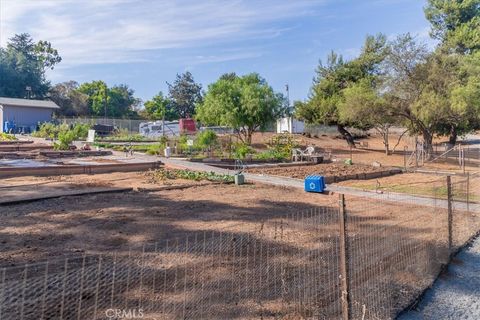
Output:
x=290 y=125
x=25 y=114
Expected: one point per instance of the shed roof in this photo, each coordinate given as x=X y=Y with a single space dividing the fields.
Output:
x=28 y=103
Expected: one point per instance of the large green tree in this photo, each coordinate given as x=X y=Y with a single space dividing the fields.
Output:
x=71 y=101
x=327 y=92
x=117 y=101
x=23 y=64
x=159 y=107
x=365 y=107
x=246 y=104
x=456 y=23
x=184 y=94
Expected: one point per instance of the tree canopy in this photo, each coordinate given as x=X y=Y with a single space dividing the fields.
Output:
x=23 y=64
x=184 y=95
x=456 y=23
x=332 y=79
x=160 y=106
x=72 y=102
x=246 y=103
x=117 y=101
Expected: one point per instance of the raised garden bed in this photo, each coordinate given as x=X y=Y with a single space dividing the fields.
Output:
x=75 y=153
x=333 y=172
x=10 y=142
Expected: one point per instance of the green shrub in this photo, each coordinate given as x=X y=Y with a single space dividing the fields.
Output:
x=241 y=150
x=52 y=131
x=7 y=137
x=65 y=139
x=280 y=147
x=206 y=140
x=155 y=149
x=156 y=176
x=81 y=130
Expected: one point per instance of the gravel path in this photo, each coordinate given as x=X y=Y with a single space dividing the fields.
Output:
x=456 y=295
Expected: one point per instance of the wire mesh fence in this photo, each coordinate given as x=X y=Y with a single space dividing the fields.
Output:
x=367 y=258
x=132 y=125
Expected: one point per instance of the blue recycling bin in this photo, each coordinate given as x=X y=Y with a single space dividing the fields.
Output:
x=315 y=184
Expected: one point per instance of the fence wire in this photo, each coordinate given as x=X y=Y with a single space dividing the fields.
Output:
x=285 y=267
x=394 y=247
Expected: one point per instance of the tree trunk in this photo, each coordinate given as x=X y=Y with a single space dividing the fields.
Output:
x=427 y=143
x=385 y=142
x=249 y=137
x=346 y=135
x=452 y=140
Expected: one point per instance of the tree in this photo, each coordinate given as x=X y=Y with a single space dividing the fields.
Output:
x=407 y=74
x=363 y=105
x=71 y=101
x=185 y=94
x=332 y=79
x=159 y=107
x=434 y=93
x=456 y=23
x=23 y=64
x=119 y=100
x=454 y=84
x=247 y=104
x=122 y=101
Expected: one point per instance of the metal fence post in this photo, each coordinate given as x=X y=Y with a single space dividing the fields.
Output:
x=449 y=214
x=344 y=259
x=468 y=192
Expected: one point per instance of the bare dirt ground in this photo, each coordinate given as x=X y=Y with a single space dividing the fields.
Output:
x=326 y=169
x=112 y=221
x=360 y=155
x=385 y=237
x=423 y=184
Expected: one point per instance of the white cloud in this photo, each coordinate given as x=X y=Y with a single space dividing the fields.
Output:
x=118 y=31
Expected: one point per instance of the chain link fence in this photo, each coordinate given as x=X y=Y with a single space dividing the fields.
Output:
x=365 y=258
x=132 y=125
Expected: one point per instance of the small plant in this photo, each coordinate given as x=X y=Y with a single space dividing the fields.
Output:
x=155 y=149
x=7 y=137
x=52 y=131
x=81 y=130
x=206 y=140
x=241 y=150
x=65 y=139
x=162 y=175
x=280 y=147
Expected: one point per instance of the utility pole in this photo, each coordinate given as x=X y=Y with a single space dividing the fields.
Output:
x=287 y=88
x=105 y=104
x=289 y=111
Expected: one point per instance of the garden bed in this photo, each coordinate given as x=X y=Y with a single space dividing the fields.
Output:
x=333 y=172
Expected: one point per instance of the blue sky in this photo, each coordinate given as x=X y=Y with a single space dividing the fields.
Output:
x=145 y=43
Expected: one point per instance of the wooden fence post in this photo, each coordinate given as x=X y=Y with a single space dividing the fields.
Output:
x=344 y=259
x=449 y=215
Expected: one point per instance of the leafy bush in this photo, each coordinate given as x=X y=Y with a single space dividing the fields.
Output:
x=155 y=149
x=125 y=135
x=241 y=150
x=206 y=139
x=280 y=147
x=52 y=131
x=156 y=176
x=7 y=137
x=65 y=139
